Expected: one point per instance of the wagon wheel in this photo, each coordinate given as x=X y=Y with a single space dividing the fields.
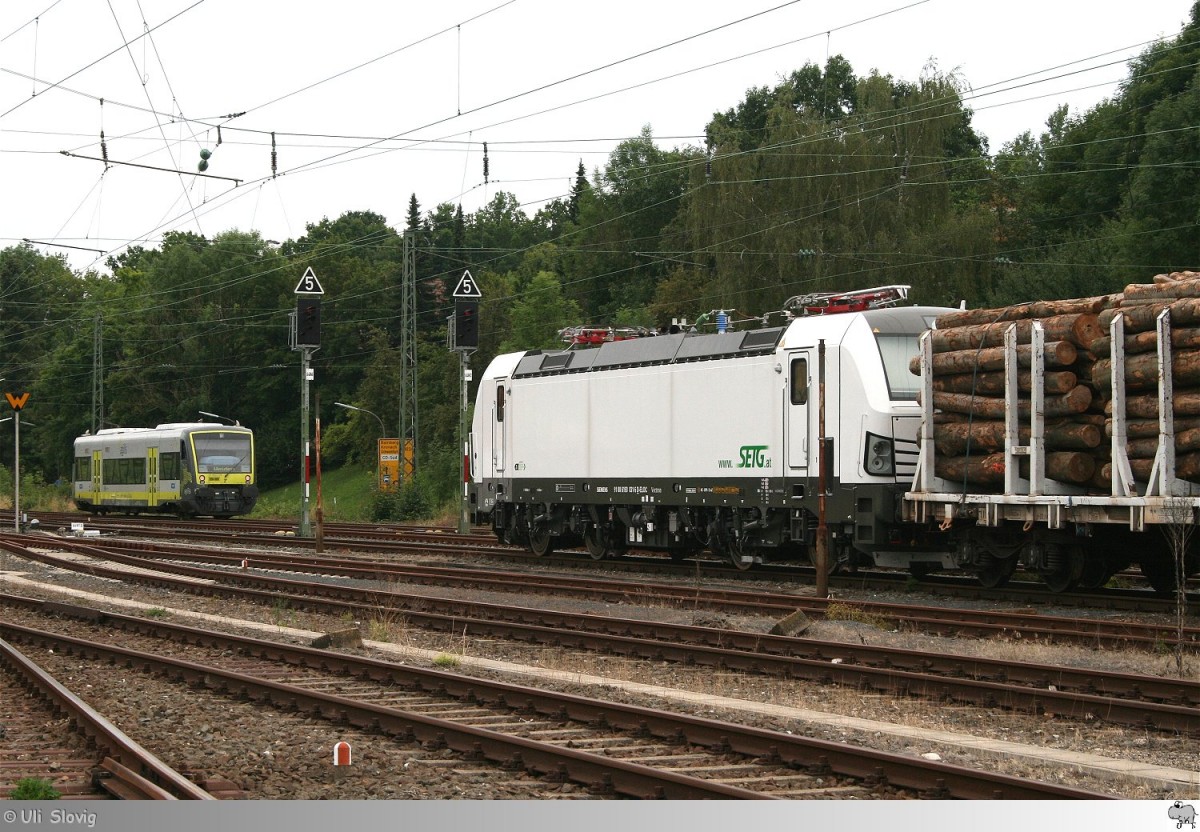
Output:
x=995 y=573
x=1097 y=569
x=596 y=541
x=1159 y=572
x=1065 y=578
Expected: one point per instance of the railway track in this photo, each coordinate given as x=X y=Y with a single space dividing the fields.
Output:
x=1135 y=700
x=611 y=748
x=50 y=734
x=375 y=539
x=1093 y=632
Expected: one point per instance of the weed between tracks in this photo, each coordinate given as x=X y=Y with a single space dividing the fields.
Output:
x=850 y=612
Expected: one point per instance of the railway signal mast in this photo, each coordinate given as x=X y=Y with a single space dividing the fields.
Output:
x=464 y=338
x=306 y=337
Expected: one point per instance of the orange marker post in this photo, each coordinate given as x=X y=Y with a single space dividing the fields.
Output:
x=341 y=754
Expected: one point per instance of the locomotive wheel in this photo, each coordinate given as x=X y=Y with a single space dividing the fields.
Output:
x=835 y=559
x=739 y=556
x=996 y=573
x=595 y=540
x=541 y=542
x=920 y=569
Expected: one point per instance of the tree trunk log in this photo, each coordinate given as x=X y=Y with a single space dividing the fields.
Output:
x=1075 y=401
x=1139 y=342
x=992 y=384
x=1188 y=440
x=1036 y=309
x=1141 y=318
x=1064 y=466
x=1080 y=330
x=989 y=436
x=1058 y=354
x=1142 y=430
x=1166 y=291
x=1185 y=403
x=1141 y=371
x=1187 y=467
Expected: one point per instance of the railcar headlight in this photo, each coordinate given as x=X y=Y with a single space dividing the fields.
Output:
x=880 y=459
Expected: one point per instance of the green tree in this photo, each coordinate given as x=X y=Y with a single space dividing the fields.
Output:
x=538 y=315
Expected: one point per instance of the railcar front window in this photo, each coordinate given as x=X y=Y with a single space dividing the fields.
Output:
x=222 y=453
x=897 y=350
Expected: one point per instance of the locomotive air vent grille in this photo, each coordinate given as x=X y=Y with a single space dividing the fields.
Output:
x=761 y=339
x=557 y=361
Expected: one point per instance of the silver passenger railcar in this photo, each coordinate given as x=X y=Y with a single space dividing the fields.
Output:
x=188 y=469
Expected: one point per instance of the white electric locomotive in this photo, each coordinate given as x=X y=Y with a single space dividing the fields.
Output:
x=189 y=469
x=684 y=442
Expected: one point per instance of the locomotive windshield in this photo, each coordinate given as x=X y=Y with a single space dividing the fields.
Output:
x=896 y=332
x=223 y=453
x=896 y=351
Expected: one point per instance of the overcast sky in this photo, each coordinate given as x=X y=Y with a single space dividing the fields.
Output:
x=372 y=101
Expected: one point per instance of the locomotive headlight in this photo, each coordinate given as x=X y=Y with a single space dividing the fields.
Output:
x=880 y=460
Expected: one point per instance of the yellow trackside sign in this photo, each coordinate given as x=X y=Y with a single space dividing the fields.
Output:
x=16 y=402
x=389 y=464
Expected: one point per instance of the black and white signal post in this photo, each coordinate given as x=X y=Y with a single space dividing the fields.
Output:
x=464 y=335
x=306 y=337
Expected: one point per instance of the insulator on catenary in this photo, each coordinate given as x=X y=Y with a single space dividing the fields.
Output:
x=274 y=156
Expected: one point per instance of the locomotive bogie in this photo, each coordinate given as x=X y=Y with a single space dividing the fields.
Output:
x=190 y=469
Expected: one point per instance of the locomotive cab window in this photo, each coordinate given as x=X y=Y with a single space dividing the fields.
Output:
x=83 y=468
x=499 y=402
x=799 y=380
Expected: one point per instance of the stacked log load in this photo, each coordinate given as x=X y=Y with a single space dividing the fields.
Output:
x=968 y=384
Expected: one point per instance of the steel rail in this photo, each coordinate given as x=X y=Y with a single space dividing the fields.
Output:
x=929 y=777
x=955 y=621
x=594 y=770
x=646 y=640
x=140 y=774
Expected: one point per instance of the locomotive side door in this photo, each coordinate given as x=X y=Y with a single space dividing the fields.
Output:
x=796 y=406
x=498 y=429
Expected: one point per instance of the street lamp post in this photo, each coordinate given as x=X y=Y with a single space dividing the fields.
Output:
x=382 y=434
x=16 y=420
x=382 y=429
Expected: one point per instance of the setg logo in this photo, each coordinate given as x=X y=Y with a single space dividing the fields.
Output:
x=753 y=456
